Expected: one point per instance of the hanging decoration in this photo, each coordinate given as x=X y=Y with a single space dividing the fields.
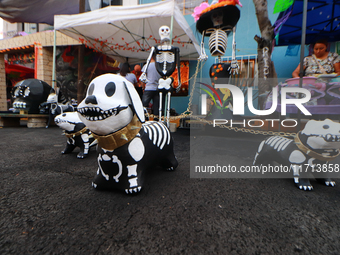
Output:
x=216 y=21
x=266 y=61
x=282 y=5
x=20 y=58
x=17 y=48
x=144 y=44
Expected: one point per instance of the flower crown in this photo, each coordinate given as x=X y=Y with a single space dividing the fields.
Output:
x=205 y=7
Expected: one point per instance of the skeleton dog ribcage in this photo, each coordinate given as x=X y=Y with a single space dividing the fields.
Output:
x=124 y=168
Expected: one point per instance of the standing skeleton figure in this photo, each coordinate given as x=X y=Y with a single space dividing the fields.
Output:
x=167 y=58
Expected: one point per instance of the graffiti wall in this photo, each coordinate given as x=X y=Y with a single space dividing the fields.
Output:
x=95 y=64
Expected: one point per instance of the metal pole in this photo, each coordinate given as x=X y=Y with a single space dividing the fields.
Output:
x=54 y=60
x=302 y=51
x=171 y=27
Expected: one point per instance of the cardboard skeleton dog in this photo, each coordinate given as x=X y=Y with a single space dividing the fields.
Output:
x=76 y=132
x=114 y=113
x=312 y=148
x=56 y=104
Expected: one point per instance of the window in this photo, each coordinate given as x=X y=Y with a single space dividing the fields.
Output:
x=111 y=2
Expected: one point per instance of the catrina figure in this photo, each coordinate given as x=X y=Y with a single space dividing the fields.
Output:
x=128 y=147
x=216 y=21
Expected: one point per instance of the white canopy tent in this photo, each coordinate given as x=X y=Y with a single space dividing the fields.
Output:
x=123 y=32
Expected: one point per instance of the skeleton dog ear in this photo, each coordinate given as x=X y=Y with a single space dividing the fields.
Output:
x=135 y=100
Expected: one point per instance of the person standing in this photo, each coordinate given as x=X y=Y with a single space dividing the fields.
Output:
x=137 y=71
x=125 y=71
x=151 y=87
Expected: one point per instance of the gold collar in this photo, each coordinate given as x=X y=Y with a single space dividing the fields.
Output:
x=310 y=152
x=121 y=137
x=69 y=135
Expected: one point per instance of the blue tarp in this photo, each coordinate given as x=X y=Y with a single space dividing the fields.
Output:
x=323 y=22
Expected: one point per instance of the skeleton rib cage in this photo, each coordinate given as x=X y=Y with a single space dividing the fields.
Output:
x=218 y=41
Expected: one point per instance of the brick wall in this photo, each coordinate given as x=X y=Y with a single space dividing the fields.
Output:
x=45 y=64
x=3 y=95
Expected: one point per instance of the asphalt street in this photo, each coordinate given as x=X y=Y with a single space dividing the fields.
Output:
x=48 y=206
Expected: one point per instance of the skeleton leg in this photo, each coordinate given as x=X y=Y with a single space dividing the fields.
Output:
x=168 y=110
x=160 y=106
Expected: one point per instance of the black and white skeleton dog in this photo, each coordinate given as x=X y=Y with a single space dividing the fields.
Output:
x=76 y=132
x=308 y=153
x=114 y=113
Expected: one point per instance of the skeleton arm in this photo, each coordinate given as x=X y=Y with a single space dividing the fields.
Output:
x=203 y=56
x=143 y=75
x=233 y=65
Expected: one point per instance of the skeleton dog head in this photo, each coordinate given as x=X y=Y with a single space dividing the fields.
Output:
x=321 y=135
x=110 y=104
x=68 y=121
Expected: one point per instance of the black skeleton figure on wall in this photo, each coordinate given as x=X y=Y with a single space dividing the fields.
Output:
x=167 y=58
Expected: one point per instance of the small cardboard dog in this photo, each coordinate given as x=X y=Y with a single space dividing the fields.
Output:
x=76 y=132
x=114 y=113
x=309 y=152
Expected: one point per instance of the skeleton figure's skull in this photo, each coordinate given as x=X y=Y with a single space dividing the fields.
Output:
x=110 y=104
x=217 y=18
x=28 y=94
x=321 y=134
x=164 y=33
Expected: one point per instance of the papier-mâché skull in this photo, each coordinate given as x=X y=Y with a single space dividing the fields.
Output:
x=164 y=33
x=28 y=94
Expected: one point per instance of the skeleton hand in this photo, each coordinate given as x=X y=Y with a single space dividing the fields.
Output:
x=143 y=78
x=178 y=88
x=203 y=57
x=234 y=67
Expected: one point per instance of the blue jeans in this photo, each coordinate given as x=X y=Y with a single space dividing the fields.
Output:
x=153 y=95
